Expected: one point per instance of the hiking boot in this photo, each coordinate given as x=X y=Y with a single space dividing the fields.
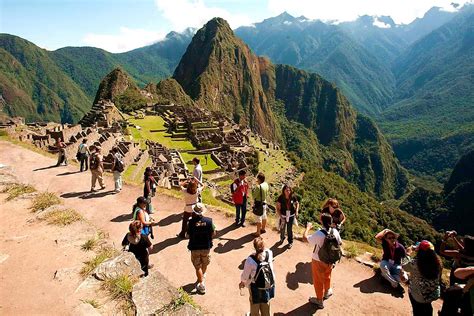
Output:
x=317 y=303
x=328 y=294
x=201 y=288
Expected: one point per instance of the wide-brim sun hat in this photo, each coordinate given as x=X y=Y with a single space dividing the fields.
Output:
x=199 y=209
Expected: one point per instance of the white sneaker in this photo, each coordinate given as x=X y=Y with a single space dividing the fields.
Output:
x=328 y=294
x=201 y=288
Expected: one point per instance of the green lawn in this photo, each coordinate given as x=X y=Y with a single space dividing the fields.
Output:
x=211 y=165
x=272 y=165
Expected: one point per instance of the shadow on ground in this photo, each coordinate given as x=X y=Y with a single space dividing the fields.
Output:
x=306 y=309
x=301 y=275
x=377 y=284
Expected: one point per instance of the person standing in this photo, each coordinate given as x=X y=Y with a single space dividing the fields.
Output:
x=96 y=165
x=138 y=244
x=259 y=277
x=197 y=174
x=425 y=276
x=287 y=207
x=239 y=189
x=260 y=194
x=117 y=169
x=201 y=231
x=393 y=253
x=60 y=146
x=149 y=187
x=325 y=240
x=141 y=214
x=83 y=154
x=331 y=207
x=191 y=198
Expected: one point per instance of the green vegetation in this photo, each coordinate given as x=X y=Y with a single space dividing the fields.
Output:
x=44 y=200
x=120 y=290
x=182 y=299
x=17 y=190
x=63 y=217
x=209 y=166
x=103 y=254
x=95 y=241
x=94 y=303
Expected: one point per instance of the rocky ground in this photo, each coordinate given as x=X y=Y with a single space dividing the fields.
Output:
x=32 y=253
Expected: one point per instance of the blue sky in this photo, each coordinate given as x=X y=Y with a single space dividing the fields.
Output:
x=121 y=25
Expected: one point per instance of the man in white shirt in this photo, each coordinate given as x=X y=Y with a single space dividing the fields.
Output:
x=197 y=174
x=321 y=270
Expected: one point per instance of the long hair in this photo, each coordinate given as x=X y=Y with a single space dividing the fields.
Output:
x=192 y=187
x=286 y=186
x=147 y=173
x=331 y=202
x=326 y=220
x=135 y=228
x=259 y=246
x=428 y=264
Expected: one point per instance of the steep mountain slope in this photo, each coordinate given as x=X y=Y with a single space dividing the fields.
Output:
x=327 y=50
x=33 y=86
x=220 y=72
x=435 y=93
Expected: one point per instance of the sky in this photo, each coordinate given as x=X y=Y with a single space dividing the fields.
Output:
x=122 y=25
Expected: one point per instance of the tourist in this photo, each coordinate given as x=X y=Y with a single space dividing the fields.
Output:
x=260 y=194
x=138 y=244
x=331 y=207
x=239 y=189
x=149 y=187
x=96 y=165
x=391 y=264
x=425 y=276
x=117 y=169
x=287 y=208
x=197 y=172
x=191 y=192
x=141 y=214
x=60 y=146
x=201 y=231
x=326 y=253
x=83 y=155
x=259 y=277
x=467 y=299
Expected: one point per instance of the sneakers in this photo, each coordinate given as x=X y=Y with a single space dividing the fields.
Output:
x=93 y=190
x=242 y=224
x=102 y=188
x=290 y=246
x=318 y=303
x=328 y=294
x=201 y=288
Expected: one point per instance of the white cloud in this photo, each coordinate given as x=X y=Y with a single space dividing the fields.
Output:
x=402 y=11
x=127 y=39
x=381 y=24
x=194 y=13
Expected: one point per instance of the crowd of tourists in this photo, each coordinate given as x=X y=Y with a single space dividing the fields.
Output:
x=418 y=265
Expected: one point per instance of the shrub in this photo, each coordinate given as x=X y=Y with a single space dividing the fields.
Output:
x=94 y=241
x=16 y=190
x=63 y=217
x=44 y=200
x=103 y=254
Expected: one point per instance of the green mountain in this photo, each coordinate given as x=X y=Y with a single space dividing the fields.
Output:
x=34 y=87
x=221 y=73
x=434 y=112
x=454 y=207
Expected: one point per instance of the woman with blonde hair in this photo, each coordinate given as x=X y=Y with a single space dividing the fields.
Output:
x=331 y=206
x=259 y=277
x=191 y=190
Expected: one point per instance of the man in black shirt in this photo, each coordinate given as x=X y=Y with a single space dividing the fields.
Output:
x=201 y=230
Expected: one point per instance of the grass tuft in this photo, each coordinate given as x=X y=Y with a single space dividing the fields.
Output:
x=44 y=200
x=92 y=243
x=17 y=190
x=63 y=217
x=182 y=299
x=120 y=290
x=103 y=254
x=351 y=251
x=94 y=303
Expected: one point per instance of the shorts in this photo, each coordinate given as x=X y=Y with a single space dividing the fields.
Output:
x=264 y=215
x=201 y=258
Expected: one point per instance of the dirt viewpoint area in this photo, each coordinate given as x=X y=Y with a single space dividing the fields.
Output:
x=31 y=252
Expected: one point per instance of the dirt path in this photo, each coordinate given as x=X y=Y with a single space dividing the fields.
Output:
x=357 y=290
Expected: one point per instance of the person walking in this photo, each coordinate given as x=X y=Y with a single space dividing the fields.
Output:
x=96 y=165
x=117 y=169
x=138 y=244
x=287 y=207
x=191 y=192
x=391 y=264
x=201 y=231
x=260 y=194
x=332 y=207
x=83 y=155
x=425 y=278
x=326 y=253
x=60 y=146
x=239 y=190
x=259 y=277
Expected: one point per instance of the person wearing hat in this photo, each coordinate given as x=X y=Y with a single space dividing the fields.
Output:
x=96 y=165
x=393 y=253
x=425 y=276
x=201 y=231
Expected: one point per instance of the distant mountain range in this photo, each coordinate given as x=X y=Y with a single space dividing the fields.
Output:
x=415 y=80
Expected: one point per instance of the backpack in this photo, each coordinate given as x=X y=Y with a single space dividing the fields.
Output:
x=263 y=279
x=94 y=163
x=330 y=252
x=119 y=165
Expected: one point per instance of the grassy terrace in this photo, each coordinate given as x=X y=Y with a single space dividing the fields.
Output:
x=272 y=165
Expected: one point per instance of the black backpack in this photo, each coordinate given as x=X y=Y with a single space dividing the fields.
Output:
x=94 y=163
x=330 y=252
x=263 y=279
x=118 y=165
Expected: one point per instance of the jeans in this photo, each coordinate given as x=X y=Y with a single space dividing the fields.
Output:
x=84 y=162
x=118 y=180
x=240 y=211
x=391 y=272
x=421 y=309
x=289 y=229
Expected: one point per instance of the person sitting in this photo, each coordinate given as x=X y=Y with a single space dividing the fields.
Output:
x=393 y=253
x=138 y=244
x=332 y=207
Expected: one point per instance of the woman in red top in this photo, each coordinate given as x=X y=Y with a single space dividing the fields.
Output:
x=240 y=189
